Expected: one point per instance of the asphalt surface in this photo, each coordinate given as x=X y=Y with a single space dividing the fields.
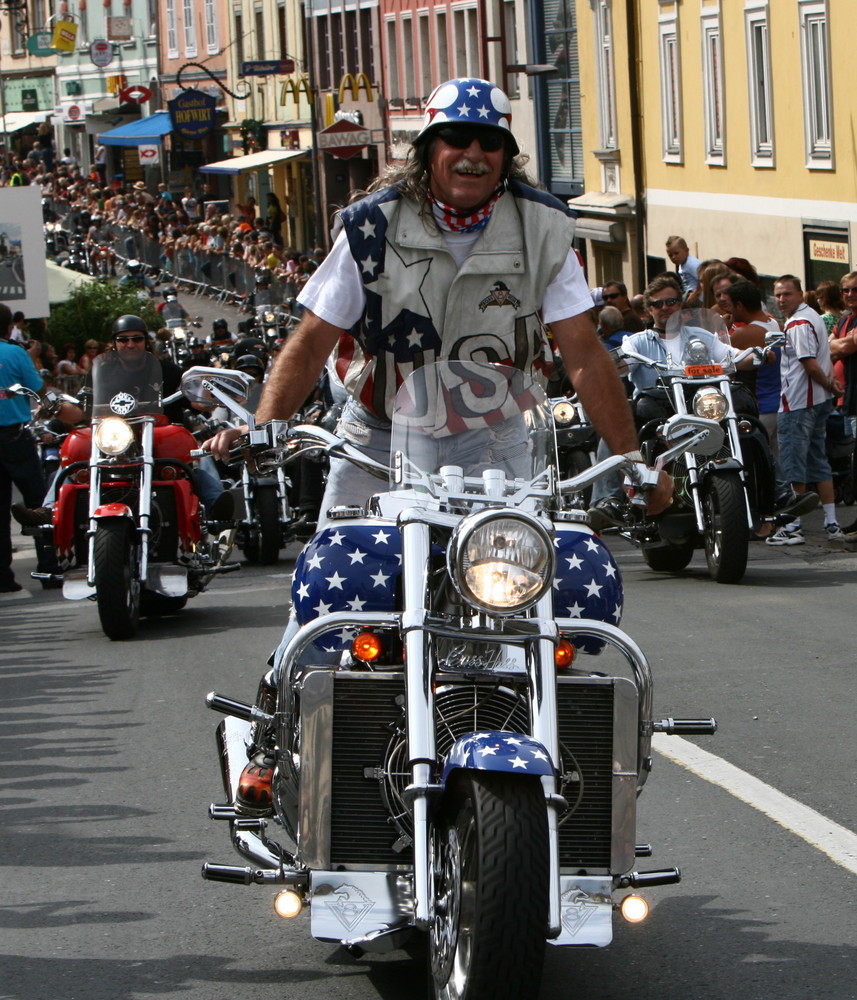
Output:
x=108 y=767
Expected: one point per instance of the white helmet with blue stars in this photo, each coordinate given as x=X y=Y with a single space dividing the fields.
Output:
x=468 y=101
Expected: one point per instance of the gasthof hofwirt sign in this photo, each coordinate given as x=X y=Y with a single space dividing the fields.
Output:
x=192 y=114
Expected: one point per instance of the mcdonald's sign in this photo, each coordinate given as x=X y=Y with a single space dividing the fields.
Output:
x=355 y=83
x=295 y=87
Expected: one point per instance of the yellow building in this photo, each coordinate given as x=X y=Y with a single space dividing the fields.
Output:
x=728 y=122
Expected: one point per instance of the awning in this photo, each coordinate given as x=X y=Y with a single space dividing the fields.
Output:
x=146 y=131
x=61 y=280
x=12 y=121
x=253 y=161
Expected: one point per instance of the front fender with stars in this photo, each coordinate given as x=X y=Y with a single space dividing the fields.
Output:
x=495 y=750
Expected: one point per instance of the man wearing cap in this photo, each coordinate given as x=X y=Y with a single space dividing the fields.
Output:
x=414 y=262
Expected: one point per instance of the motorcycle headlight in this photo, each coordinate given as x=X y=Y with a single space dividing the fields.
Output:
x=501 y=562
x=113 y=435
x=710 y=403
x=564 y=413
x=270 y=317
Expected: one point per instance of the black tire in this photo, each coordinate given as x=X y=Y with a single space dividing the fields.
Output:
x=153 y=605
x=727 y=535
x=487 y=940
x=669 y=558
x=266 y=543
x=117 y=587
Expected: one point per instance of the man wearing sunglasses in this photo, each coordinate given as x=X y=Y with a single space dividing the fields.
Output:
x=416 y=264
x=615 y=293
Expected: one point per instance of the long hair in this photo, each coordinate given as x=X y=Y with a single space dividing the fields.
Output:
x=411 y=178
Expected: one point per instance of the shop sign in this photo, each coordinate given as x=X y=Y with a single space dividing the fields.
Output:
x=192 y=114
x=41 y=43
x=150 y=156
x=65 y=36
x=344 y=139
x=828 y=250
x=119 y=29
x=101 y=52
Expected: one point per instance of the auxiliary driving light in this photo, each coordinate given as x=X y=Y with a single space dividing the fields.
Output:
x=288 y=903
x=564 y=656
x=634 y=909
x=367 y=647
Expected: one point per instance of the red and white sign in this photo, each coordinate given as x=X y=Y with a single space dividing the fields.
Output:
x=101 y=52
x=150 y=156
x=344 y=139
x=74 y=112
x=135 y=94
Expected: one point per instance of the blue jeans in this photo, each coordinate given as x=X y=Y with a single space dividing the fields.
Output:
x=802 y=433
x=20 y=464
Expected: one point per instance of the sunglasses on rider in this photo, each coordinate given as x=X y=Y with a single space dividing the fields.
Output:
x=662 y=303
x=490 y=139
x=130 y=340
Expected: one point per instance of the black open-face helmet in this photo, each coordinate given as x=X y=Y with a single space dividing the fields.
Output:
x=220 y=326
x=250 y=364
x=251 y=345
x=128 y=324
x=263 y=276
x=170 y=292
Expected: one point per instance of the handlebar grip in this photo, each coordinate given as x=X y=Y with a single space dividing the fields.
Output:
x=686 y=727
x=198 y=452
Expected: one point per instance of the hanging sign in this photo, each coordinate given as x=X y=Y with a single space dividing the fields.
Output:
x=135 y=94
x=343 y=139
x=150 y=156
x=101 y=52
x=41 y=44
x=192 y=114
x=65 y=36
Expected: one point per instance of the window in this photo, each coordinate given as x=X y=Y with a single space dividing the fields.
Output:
x=605 y=74
x=239 y=38
x=282 y=31
x=211 y=40
x=510 y=20
x=409 y=79
x=670 y=65
x=712 y=81
x=562 y=92
x=392 y=56
x=466 y=29
x=172 y=30
x=323 y=52
x=815 y=63
x=259 y=24
x=425 y=56
x=442 y=46
x=367 y=45
x=759 y=85
x=189 y=28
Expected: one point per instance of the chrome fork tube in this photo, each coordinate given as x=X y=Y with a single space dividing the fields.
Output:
x=541 y=665
x=145 y=498
x=94 y=502
x=419 y=671
x=680 y=404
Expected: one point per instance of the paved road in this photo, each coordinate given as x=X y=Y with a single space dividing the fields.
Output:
x=108 y=769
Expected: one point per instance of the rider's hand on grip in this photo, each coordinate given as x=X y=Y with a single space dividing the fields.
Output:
x=221 y=444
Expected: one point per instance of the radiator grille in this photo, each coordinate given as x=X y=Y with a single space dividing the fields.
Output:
x=370 y=825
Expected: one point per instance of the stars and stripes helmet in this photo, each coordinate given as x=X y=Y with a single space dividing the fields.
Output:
x=468 y=101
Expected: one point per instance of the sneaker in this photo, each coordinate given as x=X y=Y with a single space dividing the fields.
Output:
x=834 y=532
x=795 y=504
x=32 y=517
x=786 y=537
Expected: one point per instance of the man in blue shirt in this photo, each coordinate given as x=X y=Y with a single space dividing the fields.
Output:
x=19 y=459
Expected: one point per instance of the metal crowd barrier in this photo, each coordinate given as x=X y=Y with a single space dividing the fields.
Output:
x=219 y=275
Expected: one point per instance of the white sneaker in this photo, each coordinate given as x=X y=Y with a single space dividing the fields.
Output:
x=834 y=532
x=785 y=536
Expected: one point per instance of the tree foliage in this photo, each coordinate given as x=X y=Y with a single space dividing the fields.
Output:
x=91 y=310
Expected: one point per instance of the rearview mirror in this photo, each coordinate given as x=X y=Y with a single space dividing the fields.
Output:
x=198 y=381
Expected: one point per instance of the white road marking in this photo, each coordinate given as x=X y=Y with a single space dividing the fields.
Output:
x=837 y=842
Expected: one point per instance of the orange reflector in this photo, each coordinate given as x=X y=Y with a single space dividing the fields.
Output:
x=168 y=472
x=564 y=655
x=366 y=646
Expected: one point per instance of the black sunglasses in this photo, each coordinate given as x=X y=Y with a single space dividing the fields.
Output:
x=130 y=340
x=662 y=303
x=490 y=139
x=607 y=296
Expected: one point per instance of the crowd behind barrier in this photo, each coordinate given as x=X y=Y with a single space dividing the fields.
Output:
x=182 y=260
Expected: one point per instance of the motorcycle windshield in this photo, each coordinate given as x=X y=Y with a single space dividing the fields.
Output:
x=126 y=386
x=471 y=416
x=697 y=338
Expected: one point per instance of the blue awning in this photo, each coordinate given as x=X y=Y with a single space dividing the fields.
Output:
x=146 y=131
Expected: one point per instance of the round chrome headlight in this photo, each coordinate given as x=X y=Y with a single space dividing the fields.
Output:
x=501 y=562
x=710 y=403
x=113 y=435
x=564 y=413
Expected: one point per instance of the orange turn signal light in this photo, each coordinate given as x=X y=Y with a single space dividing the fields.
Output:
x=367 y=647
x=564 y=655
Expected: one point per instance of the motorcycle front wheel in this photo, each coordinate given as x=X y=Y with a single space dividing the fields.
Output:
x=490 y=869
x=727 y=535
x=668 y=558
x=117 y=586
x=265 y=545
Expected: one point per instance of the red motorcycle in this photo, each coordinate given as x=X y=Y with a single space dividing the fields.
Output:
x=128 y=526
